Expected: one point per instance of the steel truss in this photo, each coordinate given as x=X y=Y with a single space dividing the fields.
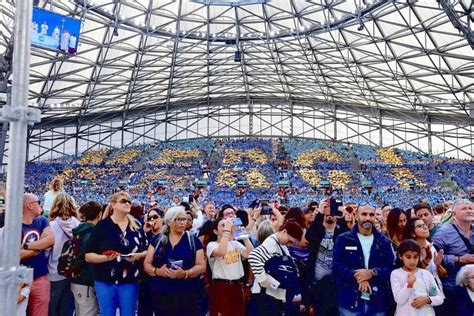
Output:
x=269 y=120
x=391 y=73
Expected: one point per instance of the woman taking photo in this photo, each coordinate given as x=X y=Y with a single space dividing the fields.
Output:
x=225 y=260
x=267 y=297
x=175 y=260
x=396 y=222
x=117 y=246
x=63 y=221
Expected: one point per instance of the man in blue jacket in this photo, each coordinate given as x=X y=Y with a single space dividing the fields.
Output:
x=363 y=261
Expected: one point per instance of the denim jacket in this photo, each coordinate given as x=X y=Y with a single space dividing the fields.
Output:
x=348 y=257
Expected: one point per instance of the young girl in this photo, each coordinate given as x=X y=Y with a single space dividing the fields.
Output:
x=225 y=260
x=414 y=289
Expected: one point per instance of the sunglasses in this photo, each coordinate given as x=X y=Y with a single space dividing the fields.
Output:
x=153 y=217
x=364 y=203
x=125 y=201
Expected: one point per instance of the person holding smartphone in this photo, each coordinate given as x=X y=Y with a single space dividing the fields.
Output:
x=225 y=260
x=175 y=260
x=322 y=235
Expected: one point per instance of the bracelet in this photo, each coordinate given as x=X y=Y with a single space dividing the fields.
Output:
x=186 y=274
x=154 y=271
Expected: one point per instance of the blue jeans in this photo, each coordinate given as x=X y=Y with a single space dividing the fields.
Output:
x=346 y=312
x=112 y=296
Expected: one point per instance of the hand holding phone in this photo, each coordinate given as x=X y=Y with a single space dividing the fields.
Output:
x=175 y=264
x=334 y=205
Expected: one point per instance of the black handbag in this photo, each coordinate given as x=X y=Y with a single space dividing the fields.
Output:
x=283 y=269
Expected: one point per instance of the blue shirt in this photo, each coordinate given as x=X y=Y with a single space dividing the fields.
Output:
x=448 y=239
x=31 y=233
x=181 y=251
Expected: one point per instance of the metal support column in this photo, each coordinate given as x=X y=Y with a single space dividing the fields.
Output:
x=18 y=114
x=3 y=140
x=380 y=129
x=430 y=135
x=334 y=117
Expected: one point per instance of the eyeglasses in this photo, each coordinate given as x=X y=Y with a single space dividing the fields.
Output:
x=37 y=201
x=189 y=219
x=423 y=226
x=364 y=203
x=153 y=217
x=125 y=201
x=180 y=220
x=124 y=241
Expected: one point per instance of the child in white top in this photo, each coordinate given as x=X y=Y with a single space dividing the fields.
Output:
x=414 y=289
x=22 y=301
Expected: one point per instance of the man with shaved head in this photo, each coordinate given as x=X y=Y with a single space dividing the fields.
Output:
x=36 y=237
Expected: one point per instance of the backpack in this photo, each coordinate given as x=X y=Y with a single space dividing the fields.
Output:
x=72 y=258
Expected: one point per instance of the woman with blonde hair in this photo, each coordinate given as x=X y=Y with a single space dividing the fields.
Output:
x=175 y=260
x=116 y=247
x=63 y=221
x=55 y=187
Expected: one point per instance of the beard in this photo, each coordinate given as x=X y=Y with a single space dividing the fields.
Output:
x=330 y=220
x=367 y=225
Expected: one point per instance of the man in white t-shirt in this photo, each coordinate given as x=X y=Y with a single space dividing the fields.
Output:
x=363 y=261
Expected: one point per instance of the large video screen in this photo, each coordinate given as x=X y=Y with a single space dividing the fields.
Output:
x=55 y=31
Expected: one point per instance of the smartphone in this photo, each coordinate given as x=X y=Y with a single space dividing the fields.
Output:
x=237 y=222
x=266 y=209
x=191 y=198
x=334 y=204
x=174 y=264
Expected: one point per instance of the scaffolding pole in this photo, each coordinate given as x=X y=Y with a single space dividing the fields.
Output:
x=19 y=116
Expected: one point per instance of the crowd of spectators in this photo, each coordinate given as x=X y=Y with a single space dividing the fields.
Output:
x=249 y=163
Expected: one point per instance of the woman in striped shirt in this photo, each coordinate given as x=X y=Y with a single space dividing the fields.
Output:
x=267 y=297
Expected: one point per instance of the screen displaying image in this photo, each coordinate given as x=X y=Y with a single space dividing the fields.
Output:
x=55 y=31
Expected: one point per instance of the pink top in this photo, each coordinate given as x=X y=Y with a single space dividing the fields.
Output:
x=425 y=285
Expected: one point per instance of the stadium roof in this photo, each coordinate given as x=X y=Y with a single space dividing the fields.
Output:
x=411 y=60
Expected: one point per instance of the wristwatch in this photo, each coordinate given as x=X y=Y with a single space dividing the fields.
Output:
x=374 y=272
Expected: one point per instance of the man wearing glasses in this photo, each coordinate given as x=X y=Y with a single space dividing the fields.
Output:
x=363 y=261
x=36 y=237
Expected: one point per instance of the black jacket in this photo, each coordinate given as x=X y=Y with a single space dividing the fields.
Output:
x=314 y=235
